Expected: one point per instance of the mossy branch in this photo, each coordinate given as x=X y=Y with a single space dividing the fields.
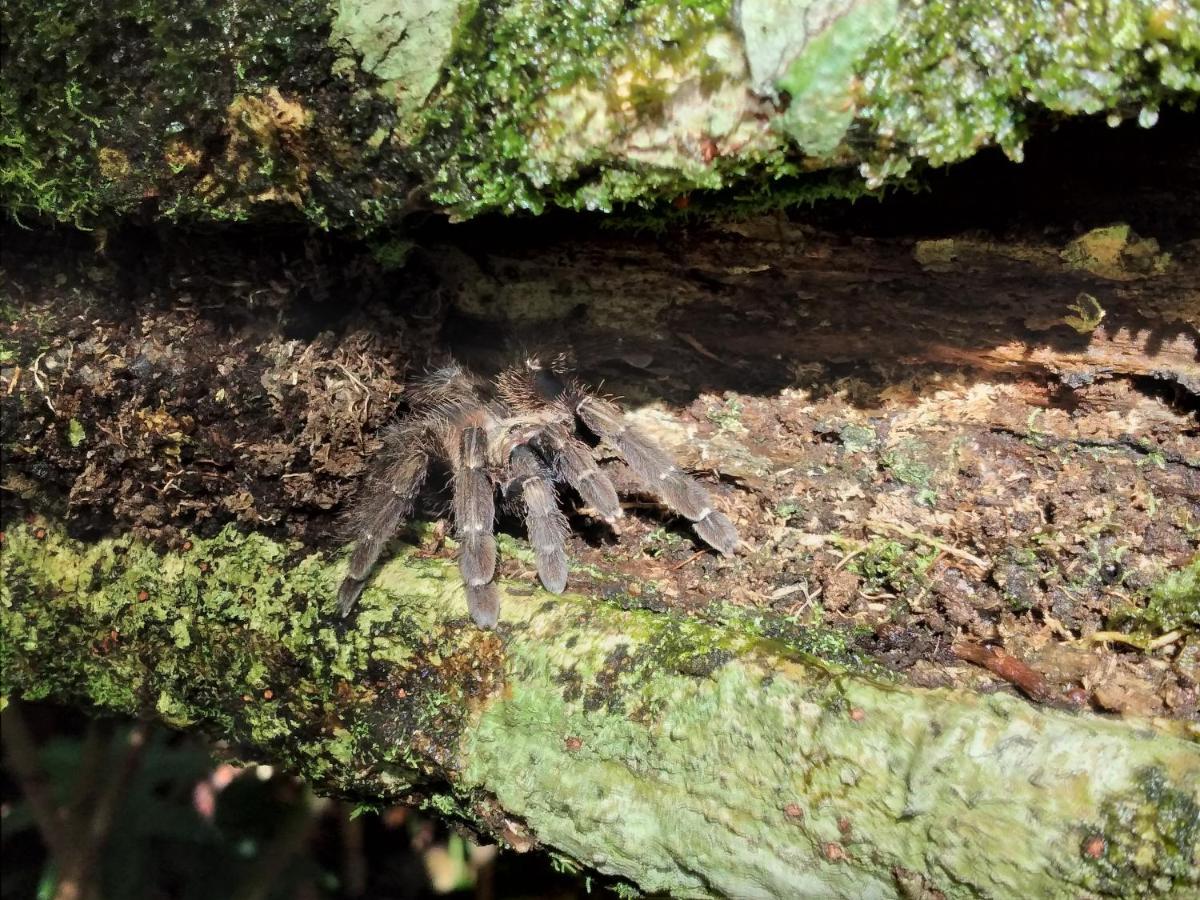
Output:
x=352 y=114
x=691 y=759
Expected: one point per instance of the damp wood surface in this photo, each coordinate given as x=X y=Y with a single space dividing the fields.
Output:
x=963 y=461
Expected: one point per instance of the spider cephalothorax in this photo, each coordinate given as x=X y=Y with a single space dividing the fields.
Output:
x=519 y=432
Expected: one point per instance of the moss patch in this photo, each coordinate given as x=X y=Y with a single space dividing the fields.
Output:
x=188 y=112
x=513 y=106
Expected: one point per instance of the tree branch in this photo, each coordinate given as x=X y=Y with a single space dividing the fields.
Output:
x=688 y=758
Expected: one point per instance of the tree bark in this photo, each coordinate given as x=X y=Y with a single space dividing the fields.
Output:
x=691 y=758
x=354 y=114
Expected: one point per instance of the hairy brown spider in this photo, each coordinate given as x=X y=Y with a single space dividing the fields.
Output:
x=518 y=432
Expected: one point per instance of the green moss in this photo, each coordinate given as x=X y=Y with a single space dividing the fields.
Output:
x=212 y=111
x=1145 y=844
x=889 y=565
x=727 y=416
x=823 y=645
x=907 y=468
x=1174 y=602
x=341 y=115
x=953 y=77
x=590 y=107
x=163 y=621
x=37 y=176
x=76 y=433
x=858 y=438
x=930 y=82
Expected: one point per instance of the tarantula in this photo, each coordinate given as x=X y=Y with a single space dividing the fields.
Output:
x=518 y=432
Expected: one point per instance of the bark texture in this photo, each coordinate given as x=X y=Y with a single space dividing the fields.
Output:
x=352 y=114
x=689 y=758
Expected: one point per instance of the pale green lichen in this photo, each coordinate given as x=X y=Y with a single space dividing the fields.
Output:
x=401 y=44
x=820 y=75
x=701 y=760
x=751 y=784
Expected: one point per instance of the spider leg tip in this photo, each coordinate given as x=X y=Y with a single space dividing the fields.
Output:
x=483 y=601
x=555 y=584
x=718 y=532
x=348 y=595
x=485 y=619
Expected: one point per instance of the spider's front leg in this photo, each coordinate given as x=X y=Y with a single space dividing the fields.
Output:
x=474 y=512
x=542 y=392
x=390 y=498
x=546 y=523
x=574 y=461
x=658 y=472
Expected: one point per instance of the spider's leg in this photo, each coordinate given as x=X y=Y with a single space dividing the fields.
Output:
x=546 y=523
x=659 y=473
x=389 y=501
x=474 y=511
x=574 y=461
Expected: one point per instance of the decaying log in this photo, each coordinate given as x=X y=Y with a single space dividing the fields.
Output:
x=692 y=758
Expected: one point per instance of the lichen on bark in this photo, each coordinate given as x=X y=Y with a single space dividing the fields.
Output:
x=684 y=757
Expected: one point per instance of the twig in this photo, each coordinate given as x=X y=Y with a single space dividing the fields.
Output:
x=1119 y=637
x=849 y=556
x=695 y=556
x=21 y=755
x=36 y=374
x=931 y=541
x=1030 y=682
x=1165 y=639
x=1114 y=637
x=699 y=348
x=289 y=840
x=76 y=872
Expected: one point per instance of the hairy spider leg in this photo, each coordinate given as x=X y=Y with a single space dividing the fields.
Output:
x=546 y=523
x=573 y=460
x=389 y=502
x=535 y=385
x=658 y=472
x=474 y=512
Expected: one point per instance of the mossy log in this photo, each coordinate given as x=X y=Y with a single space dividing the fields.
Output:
x=352 y=114
x=685 y=757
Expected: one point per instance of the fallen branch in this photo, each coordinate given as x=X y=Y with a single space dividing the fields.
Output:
x=690 y=759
